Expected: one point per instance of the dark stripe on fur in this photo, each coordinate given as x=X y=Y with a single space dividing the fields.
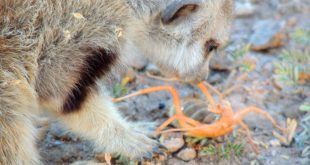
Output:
x=98 y=62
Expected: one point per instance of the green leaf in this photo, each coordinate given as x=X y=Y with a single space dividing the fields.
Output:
x=305 y=108
x=240 y=53
x=301 y=36
x=209 y=150
x=119 y=90
x=296 y=74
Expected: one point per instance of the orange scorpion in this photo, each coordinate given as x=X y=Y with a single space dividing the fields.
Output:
x=224 y=125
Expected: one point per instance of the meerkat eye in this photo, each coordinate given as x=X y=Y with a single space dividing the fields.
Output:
x=179 y=9
x=211 y=45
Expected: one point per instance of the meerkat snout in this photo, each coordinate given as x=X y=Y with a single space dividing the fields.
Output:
x=181 y=36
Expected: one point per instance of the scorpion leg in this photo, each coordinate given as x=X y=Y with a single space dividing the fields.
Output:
x=186 y=122
x=248 y=132
x=240 y=115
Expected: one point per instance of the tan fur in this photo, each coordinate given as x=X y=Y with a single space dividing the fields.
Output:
x=43 y=48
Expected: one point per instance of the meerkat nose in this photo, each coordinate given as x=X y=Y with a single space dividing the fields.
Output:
x=211 y=45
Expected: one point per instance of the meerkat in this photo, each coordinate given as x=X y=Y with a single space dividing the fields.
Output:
x=54 y=55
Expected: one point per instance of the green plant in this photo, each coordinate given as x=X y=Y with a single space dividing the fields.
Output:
x=197 y=140
x=224 y=151
x=302 y=138
x=305 y=107
x=292 y=64
x=295 y=64
x=121 y=88
x=125 y=160
x=301 y=36
x=236 y=148
x=230 y=149
x=240 y=61
x=208 y=150
x=240 y=53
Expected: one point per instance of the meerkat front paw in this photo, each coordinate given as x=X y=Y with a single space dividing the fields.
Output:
x=134 y=143
x=144 y=127
x=138 y=146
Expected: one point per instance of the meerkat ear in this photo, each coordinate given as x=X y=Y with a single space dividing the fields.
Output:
x=179 y=9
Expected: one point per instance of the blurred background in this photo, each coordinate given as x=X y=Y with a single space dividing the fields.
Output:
x=266 y=64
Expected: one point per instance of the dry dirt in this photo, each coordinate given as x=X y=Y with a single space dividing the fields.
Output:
x=60 y=146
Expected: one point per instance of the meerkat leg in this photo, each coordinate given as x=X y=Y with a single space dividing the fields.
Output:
x=100 y=121
x=17 y=131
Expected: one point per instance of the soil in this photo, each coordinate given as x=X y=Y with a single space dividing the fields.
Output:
x=60 y=146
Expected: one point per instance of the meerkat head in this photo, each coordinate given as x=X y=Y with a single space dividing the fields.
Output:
x=180 y=36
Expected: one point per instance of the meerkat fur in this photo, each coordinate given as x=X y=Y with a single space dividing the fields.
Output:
x=53 y=55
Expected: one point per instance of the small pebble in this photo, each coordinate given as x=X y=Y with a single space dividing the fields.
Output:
x=75 y=139
x=252 y=156
x=244 y=9
x=174 y=144
x=273 y=153
x=221 y=62
x=173 y=141
x=275 y=143
x=306 y=152
x=50 y=145
x=277 y=83
x=100 y=157
x=215 y=78
x=88 y=163
x=187 y=154
x=268 y=34
x=58 y=143
x=254 y=162
x=286 y=157
x=162 y=157
x=148 y=163
x=291 y=22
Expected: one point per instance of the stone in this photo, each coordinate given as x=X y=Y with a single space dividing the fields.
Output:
x=306 y=152
x=277 y=83
x=187 y=154
x=221 y=62
x=162 y=158
x=176 y=161
x=100 y=157
x=273 y=153
x=275 y=143
x=244 y=9
x=88 y=163
x=148 y=163
x=252 y=156
x=268 y=34
x=173 y=141
x=215 y=78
